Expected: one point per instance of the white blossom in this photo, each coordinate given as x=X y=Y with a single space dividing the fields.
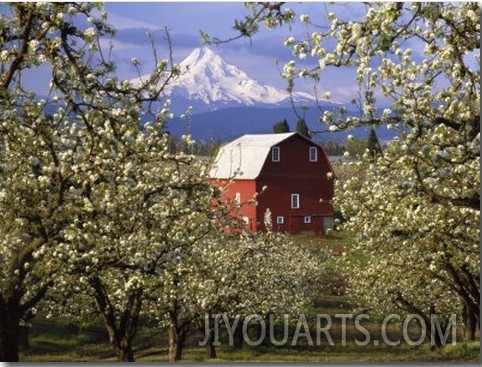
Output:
x=90 y=32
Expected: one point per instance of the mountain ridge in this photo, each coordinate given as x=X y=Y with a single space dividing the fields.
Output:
x=230 y=123
x=209 y=83
x=227 y=103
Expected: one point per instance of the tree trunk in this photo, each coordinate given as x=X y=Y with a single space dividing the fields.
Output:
x=9 y=330
x=121 y=342
x=238 y=338
x=470 y=315
x=175 y=348
x=23 y=341
x=177 y=339
x=121 y=333
x=124 y=351
x=211 y=351
x=210 y=348
x=259 y=332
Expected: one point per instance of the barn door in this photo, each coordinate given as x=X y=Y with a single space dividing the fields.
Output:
x=294 y=225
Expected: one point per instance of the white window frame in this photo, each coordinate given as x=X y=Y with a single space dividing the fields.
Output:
x=246 y=220
x=237 y=197
x=295 y=201
x=275 y=154
x=307 y=219
x=313 y=153
x=280 y=220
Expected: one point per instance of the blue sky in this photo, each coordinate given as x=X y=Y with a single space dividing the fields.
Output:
x=184 y=20
x=261 y=57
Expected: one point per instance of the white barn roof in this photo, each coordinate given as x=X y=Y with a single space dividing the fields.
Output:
x=244 y=157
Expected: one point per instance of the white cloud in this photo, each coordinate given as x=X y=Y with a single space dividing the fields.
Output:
x=119 y=46
x=122 y=23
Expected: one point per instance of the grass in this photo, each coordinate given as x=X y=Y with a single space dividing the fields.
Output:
x=151 y=346
x=60 y=341
x=464 y=350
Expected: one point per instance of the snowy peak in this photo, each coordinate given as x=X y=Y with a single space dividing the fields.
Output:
x=209 y=83
x=202 y=55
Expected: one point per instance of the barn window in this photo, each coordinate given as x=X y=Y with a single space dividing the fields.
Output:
x=307 y=219
x=238 y=197
x=275 y=154
x=280 y=220
x=295 y=201
x=313 y=154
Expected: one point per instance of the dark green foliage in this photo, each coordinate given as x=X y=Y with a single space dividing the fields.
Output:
x=302 y=128
x=356 y=147
x=281 y=127
x=333 y=147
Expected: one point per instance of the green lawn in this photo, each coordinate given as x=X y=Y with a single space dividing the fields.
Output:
x=58 y=340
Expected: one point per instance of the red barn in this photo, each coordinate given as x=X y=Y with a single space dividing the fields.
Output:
x=286 y=173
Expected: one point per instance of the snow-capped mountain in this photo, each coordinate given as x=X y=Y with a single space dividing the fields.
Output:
x=228 y=103
x=209 y=83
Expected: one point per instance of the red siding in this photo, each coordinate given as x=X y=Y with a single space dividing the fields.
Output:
x=246 y=190
x=295 y=174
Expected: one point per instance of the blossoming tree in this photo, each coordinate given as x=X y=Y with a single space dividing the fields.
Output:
x=224 y=269
x=99 y=213
x=71 y=177
x=415 y=208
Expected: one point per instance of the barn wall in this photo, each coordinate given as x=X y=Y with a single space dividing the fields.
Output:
x=294 y=173
x=246 y=190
